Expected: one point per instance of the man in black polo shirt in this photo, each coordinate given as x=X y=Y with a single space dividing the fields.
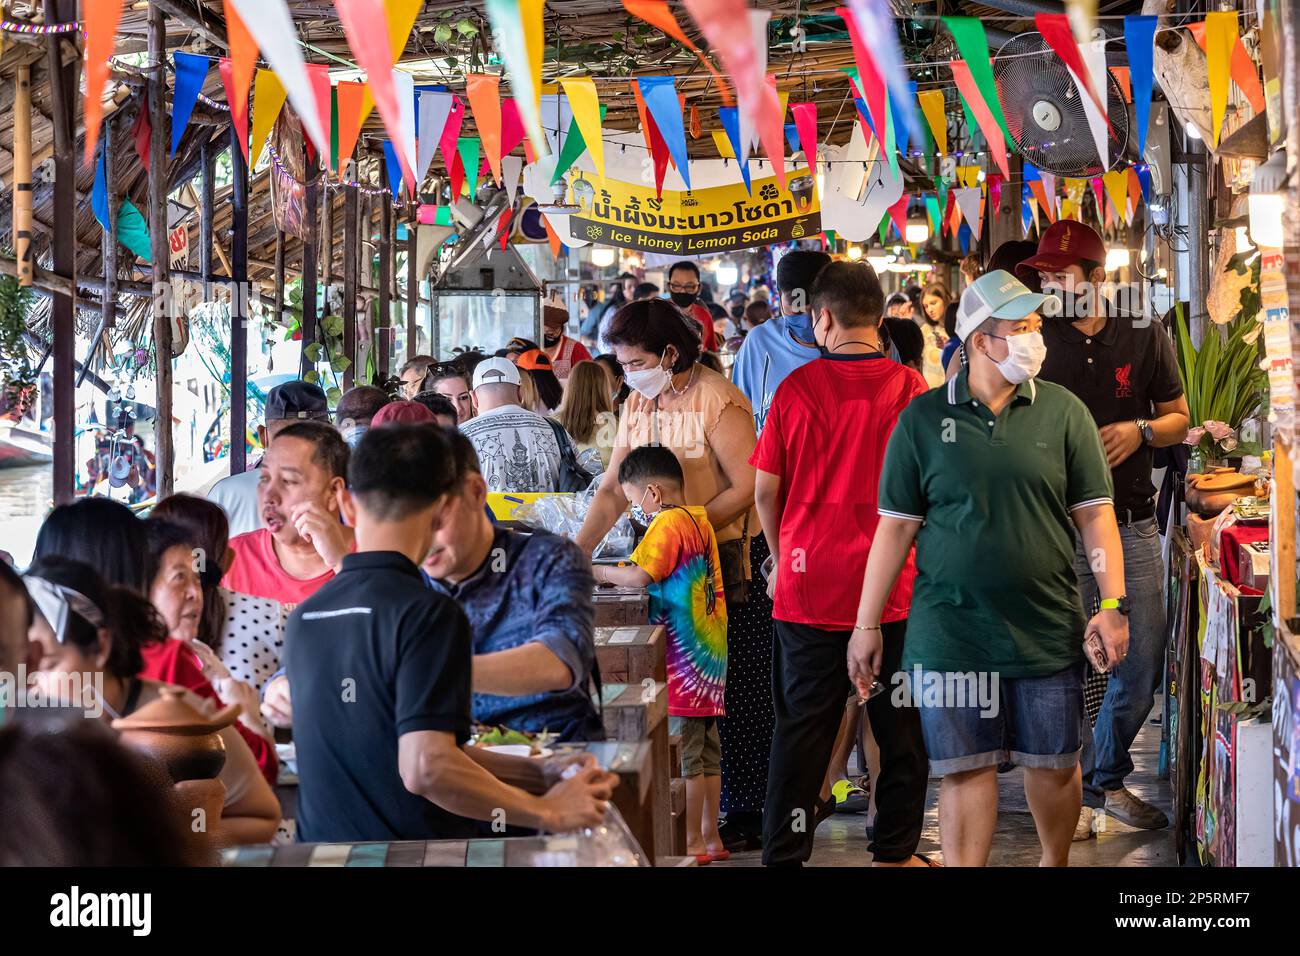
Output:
x=1122 y=366
x=379 y=667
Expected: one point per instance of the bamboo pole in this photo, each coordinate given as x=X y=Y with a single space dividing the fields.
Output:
x=23 y=174
x=238 y=270
x=351 y=251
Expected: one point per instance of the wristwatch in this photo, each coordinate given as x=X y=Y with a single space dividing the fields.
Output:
x=1120 y=604
x=1145 y=430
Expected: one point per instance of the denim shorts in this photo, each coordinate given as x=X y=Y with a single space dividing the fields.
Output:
x=701 y=745
x=1034 y=722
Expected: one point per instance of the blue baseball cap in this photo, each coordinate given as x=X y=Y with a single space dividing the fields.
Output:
x=995 y=295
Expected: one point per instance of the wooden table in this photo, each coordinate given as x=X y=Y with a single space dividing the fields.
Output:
x=632 y=654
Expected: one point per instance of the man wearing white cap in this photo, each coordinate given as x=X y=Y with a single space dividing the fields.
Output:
x=990 y=476
x=517 y=448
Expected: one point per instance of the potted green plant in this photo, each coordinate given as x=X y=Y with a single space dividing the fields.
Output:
x=17 y=378
x=1223 y=383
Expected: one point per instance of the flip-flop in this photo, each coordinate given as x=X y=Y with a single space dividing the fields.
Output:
x=719 y=856
x=703 y=859
x=849 y=798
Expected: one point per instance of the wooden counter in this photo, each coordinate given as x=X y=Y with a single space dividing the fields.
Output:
x=632 y=654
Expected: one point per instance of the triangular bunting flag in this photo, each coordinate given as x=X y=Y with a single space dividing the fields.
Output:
x=512 y=169
x=101 y=20
x=393 y=167
x=468 y=148
x=271 y=25
x=350 y=94
x=484 y=95
x=191 y=71
x=932 y=107
x=404 y=89
x=447 y=141
x=1139 y=41
x=512 y=127
x=657 y=14
x=517 y=32
x=970 y=202
x=1220 y=38
x=268 y=99
x=974 y=100
x=731 y=125
x=581 y=91
x=434 y=109
x=660 y=95
x=238 y=114
x=805 y=124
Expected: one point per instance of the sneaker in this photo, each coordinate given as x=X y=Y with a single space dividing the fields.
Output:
x=848 y=797
x=1127 y=807
x=1083 y=829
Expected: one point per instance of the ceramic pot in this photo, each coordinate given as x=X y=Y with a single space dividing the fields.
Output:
x=178 y=736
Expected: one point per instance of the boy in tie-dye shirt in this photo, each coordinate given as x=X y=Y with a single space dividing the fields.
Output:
x=678 y=561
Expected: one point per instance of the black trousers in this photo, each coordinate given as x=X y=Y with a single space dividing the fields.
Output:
x=810 y=685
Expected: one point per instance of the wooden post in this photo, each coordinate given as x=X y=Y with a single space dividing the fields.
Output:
x=206 y=162
x=238 y=299
x=326 y=236
x=159 y=141
x=383 y=337
x=351 y=252
x=309 y=266
x=279 y=276
x=412 y=295
x=63 y=87
x=23 y=174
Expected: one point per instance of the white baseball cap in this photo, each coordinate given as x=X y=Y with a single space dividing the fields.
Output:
x=994 y=295
x=495 y=371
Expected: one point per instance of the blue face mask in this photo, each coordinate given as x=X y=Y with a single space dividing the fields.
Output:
x=354 y=437
x=800 y=326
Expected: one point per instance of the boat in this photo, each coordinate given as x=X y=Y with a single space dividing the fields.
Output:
x=20 y=445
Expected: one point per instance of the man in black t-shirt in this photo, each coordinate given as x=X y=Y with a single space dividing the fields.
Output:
x=380 y=667
x=1122 y=366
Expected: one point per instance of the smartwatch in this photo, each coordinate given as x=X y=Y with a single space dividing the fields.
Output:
x=1145 y=430
x=1120 y=604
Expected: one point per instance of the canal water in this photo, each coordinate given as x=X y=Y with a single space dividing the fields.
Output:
x=25 y=495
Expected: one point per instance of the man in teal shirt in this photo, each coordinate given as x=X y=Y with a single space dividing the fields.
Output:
x=990 y=476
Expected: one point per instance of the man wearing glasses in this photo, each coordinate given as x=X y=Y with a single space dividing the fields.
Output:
x=684 y=290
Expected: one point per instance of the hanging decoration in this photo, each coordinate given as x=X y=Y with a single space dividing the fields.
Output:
x=970 y=200
x=318 y=75
x=1116 y=184
x=805 y=124
x=657 y=14
x=874 y=19
x=468 y=148
x=101 y=36
x=872 y=85
x=978 y=106
x=399 y=15
x=512 y=127
x=1139 y=40
x=935 y=115
x=484 y=94
x=1220 y=38
x=366 y=29
x=269 y=96
x=271 y=25
x=587 y=113
x=729 y=115
x=238 y=115
x=660 y=95
x=512 y=170
x=447 y=146
x=435 y=107
x=973 y=45
x=1055 y=28
x=191 y=70
x=393 y=167
x=758 y=23
x=726 y=25
x=404 y=87
x=517 y=34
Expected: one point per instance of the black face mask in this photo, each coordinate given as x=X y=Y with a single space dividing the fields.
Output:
x=738 y=312
x=682 y=299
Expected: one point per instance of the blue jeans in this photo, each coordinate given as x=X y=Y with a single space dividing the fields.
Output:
x=1130 y=693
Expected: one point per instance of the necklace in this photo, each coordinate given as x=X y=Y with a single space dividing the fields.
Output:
x=689 y=382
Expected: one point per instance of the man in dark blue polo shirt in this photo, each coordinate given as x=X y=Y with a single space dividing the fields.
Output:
x=1122 y=366
x=379 y=667
x=528 y=600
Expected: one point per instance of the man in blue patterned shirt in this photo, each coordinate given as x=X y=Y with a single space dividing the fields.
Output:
x=528 y=600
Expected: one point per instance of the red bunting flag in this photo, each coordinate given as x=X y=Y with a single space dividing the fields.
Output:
x=365 y=24
x=512 y=126
x=657 y=14
x=1055 y=28
x=805 y=124
x=447 y=146
x=961 y=75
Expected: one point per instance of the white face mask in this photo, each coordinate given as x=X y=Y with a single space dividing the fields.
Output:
x=1025 y=354
x=650 y=382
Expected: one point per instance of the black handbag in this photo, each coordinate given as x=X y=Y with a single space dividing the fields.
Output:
x=572 y=475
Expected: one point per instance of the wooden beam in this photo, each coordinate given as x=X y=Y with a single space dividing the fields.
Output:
x=206 y=169
x=383 y=337
x=239 y=313
x=309 y=263
x=412 y=295
x=193 y=17
x=164 y=449
x=350 y=268
x=63 y=85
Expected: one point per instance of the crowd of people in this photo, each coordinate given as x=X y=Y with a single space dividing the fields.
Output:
x=882 y=498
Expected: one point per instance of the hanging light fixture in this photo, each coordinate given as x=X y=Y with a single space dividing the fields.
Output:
x=854 y=252
x=602 y=257
x=1267 y=200
x=916 y=231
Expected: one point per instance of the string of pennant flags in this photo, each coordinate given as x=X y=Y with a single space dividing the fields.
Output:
x=423 y=122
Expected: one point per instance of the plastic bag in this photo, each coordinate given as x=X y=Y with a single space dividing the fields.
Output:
x=564 y=514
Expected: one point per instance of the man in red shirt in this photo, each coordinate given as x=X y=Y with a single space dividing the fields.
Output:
x=818 y=460
x=684 y=290
x=302 y=541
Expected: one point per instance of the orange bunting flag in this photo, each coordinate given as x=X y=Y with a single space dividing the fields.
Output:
x=483 y=92
x=351 y=94
x=100 y=23
x=243 y=58
x=657 y=14
x=1122 y=78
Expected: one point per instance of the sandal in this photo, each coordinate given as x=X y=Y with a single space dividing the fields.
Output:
x=849 y=798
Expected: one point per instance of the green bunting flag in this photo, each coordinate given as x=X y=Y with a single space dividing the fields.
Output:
x=468 y=147
x=974 y=48
x=573 y=147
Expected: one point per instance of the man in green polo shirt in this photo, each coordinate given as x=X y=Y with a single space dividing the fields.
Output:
x=990 y=475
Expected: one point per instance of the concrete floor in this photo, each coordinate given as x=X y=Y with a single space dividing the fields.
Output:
x=842 y=841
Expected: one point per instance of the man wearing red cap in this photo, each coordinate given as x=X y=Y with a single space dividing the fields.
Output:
x=1122 y=366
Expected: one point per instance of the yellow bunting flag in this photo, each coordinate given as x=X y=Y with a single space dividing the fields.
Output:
x=268 y=99
x=581 y=91
x=932 y=106
x=968 y=175
x=1220 y=37
x=530 y=17
x=401 y=16
x=1116 y=183
x=723 y=144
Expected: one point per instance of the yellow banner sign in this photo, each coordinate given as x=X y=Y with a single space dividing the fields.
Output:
x=693 y=222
